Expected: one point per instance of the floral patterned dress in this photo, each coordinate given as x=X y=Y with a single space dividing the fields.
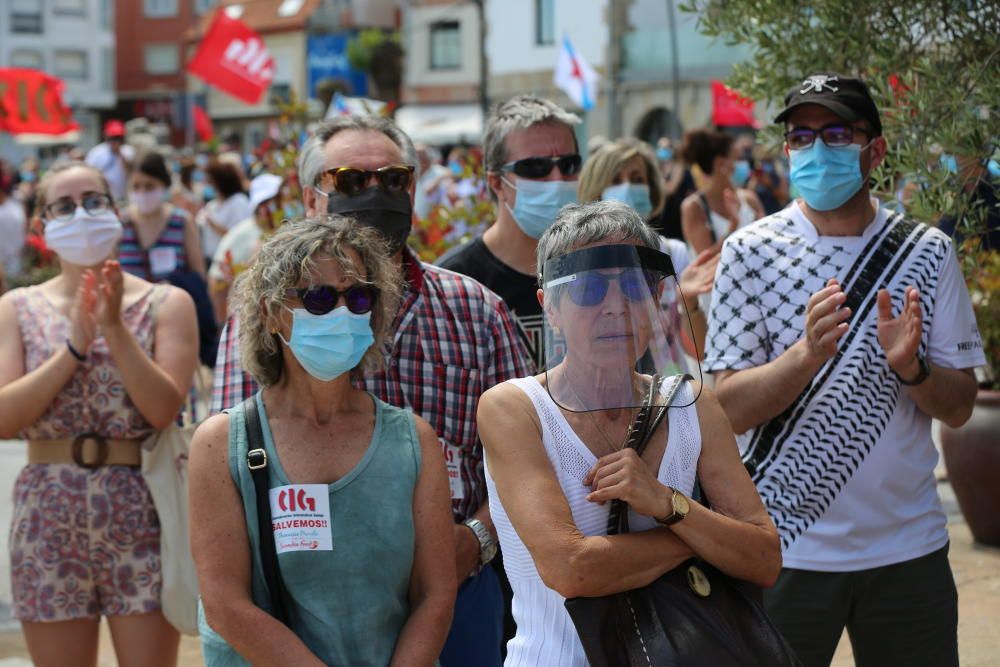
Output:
x=83 y=543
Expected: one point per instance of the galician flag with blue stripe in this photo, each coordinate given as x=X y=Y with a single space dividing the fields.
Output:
x=575 y=77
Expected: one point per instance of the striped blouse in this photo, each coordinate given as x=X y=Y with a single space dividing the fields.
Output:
x=160 y=259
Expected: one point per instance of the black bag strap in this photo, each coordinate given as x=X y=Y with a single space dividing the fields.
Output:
x=257 y=464
x=703 y=200
x=645 y=424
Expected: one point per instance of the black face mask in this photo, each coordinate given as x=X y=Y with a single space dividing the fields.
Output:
x=391 y=213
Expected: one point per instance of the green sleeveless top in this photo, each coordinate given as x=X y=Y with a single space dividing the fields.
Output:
x=348 y=604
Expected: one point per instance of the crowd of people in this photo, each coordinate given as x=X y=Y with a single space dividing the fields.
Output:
x=412 y=463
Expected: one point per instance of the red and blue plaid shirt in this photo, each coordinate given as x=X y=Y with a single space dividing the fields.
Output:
x=453 y=339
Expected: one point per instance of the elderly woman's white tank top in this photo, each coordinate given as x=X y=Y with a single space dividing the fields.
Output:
x=545 y=633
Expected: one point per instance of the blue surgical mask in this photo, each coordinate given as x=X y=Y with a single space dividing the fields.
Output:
x=826 y=177
x=327 y=346
x=664 y=154
x=635 y=195
x=456 y=167
x=741 y=173
x=538 y=202
x=208 y=192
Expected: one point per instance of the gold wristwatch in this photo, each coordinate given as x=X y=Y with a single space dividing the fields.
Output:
x=681 y=506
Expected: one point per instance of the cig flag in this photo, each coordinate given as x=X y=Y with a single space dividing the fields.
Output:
x=233 y=58
x=575 y=77
x=31 y=103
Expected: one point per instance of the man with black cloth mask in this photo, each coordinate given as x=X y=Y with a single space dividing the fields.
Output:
x=453 y=339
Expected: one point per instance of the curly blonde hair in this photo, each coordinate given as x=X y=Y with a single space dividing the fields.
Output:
x=288 y=257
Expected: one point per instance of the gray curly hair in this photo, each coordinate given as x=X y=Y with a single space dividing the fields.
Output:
x=282 y=263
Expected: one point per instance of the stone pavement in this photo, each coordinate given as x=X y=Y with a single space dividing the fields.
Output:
x=976 y=569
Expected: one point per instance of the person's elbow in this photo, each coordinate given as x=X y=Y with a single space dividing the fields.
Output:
x=570 y=575
x=770 y=561
x=966 y=390
x=726 y=392
x=960 y=414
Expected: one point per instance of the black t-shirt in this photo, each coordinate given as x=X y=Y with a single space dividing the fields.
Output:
x=518 y=290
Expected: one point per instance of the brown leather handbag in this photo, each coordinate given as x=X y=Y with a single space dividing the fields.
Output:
x=693 y=616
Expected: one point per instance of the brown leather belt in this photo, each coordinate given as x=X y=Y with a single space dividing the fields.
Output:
x=88 y=450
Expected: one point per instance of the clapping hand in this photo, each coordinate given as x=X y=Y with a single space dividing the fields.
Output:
x=109 y=307
x=698 y=277
x=900 y=336
x=826 y=320
x=83 y=314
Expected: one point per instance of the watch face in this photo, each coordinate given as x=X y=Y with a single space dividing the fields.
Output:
x=681 y=504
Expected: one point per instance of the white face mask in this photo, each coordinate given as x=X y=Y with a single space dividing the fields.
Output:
x=147 y=201
x=84 y=239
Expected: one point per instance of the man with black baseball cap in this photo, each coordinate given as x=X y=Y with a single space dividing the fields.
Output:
x=837 y=331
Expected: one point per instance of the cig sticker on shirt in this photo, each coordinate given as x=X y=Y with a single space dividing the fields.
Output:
x=453 y=459
x=300 y=518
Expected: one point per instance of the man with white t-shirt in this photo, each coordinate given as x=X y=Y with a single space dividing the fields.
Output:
x=112 y=158
x=837 y=331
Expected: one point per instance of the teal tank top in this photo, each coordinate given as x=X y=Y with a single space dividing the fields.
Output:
x=348 y=604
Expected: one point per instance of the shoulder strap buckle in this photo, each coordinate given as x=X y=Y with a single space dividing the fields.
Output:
x=256 y=459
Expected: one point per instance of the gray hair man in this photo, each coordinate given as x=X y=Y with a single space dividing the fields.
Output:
x=532 y=163
x=452 y=340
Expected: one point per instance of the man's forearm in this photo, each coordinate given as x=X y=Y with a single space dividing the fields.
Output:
x=948 y=394
x=753 y=396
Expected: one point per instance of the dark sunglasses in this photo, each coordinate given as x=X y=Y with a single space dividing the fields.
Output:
x=591 y=288
x=352 y=181
x=833 y=136
x=321 y=299
x=540 y=167
x=64 y=208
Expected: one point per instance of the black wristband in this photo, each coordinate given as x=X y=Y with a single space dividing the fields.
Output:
x=72 y=350
x=925 y=371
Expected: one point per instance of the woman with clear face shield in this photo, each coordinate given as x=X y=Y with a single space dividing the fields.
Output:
x=556 y=449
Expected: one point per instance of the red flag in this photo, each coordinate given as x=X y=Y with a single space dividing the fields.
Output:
x=233 y=58
x=729 y=108
x=203 y=124
x=31 y=102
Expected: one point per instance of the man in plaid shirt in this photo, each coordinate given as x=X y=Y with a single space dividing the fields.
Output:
x=453 y=339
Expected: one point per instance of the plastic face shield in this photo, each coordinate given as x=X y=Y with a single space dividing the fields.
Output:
x=614 y=319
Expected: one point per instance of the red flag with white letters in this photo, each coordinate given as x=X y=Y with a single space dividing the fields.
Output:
x=233 y=58
x=31 y=102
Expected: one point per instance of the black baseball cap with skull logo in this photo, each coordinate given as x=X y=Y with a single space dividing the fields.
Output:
x=848 y=98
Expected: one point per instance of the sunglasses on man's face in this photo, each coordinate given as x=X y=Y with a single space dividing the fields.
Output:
x=64 y=208
x=321 y=299
x=351 y=181
x=591 y=288
x=540 y=167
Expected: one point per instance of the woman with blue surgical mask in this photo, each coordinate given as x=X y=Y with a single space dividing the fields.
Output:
x=357 y=489
x=721 y=205
x=624 y=170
